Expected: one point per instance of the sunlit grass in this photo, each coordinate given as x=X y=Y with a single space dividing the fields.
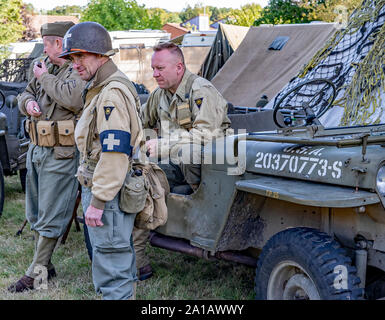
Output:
x=177 y=276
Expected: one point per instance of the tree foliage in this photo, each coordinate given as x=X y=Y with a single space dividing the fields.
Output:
x=28 y=32
x=246 y=15
x=304 y=11
x=120 y=15
x=65 y=10
x=330 y=10
x=286 y=11
x=165 y=15
x=11 y=26
x=191 y=12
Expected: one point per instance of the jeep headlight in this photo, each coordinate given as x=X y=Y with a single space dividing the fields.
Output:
x=380 y=180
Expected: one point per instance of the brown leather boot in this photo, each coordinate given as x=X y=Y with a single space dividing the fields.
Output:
x=24 y=283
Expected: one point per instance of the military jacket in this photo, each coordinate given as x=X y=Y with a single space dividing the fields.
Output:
x=115 y=135
x=57 y=92
x=208 y=114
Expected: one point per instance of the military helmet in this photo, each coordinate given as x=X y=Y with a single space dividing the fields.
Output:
x=87 y=37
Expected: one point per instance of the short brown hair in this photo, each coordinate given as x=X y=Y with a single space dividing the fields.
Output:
x=171 y=47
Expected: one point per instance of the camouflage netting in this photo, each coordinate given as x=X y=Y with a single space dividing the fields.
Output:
x=353 y=59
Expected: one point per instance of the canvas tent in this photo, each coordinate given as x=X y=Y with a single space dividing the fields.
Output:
x=227 y=40
x=253 y=70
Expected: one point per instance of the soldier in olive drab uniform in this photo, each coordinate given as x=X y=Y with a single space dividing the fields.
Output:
x=52 y=101
x=107 y=134
x=188 y=112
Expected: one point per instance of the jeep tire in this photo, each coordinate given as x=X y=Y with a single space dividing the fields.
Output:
x=305 y=264
x=1 y=189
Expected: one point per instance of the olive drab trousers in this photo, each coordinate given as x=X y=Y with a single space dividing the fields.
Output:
x=140 y=237
x=51 y=190
x=113 y=256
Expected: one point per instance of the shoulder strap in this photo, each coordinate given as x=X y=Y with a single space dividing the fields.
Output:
x=188 y=88
x=131 y=87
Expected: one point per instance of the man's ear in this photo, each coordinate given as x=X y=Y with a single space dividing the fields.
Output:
x=180 y=67
x=59 y=43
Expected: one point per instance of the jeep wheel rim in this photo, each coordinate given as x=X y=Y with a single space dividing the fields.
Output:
x=289 y=281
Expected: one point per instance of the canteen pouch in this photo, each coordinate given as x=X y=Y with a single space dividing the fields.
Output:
x=46 y=133
x=133 y=193
x=62 y=153
x=66 y=131
x=84 y=176
x=154 y=213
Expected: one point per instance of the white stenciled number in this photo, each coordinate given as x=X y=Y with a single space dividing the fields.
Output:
x=336 y=173
x=324 y=167
x=315 y=162
x=258 y=160
x=304 y=163
x=267 y=161
x=286 y=157
x=293 y=164
x=276 y=159
x=341 y=279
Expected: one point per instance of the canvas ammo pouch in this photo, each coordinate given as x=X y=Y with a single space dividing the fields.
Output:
x=134 y=192
x=46 y=133
x=53 y=133
x=184 y=110
x=66 y=133
x=184 y=116
x=63 y=153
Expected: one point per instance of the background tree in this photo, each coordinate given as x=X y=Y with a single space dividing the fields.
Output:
x=191 y=12
x=11 y=25
x=120 y=15
x=331 y=9
x=165 y=15
x=65 y=10
x=218 y=13
x=288 y=11
x=246 y=15
x=26 y=14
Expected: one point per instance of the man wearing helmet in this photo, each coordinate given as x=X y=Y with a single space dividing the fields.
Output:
x=52 y=103
x=108 y=133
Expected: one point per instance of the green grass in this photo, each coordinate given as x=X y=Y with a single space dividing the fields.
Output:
x=177 y=276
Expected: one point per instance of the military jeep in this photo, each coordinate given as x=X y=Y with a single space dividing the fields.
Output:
x=303 y=204
x=13 y=142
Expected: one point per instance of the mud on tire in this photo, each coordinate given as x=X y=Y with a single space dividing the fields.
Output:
x=305 y=261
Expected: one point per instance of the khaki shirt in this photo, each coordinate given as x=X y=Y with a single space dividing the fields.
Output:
x=60 y=88
x=117 y=132
x=208 y=115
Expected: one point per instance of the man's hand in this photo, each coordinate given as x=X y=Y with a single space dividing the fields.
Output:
x=33 y=109
x=152 y=147
x=38 y=71
x=94 y=217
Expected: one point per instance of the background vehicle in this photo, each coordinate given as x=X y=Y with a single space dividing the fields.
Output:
x=13 y=143
x=303 y=204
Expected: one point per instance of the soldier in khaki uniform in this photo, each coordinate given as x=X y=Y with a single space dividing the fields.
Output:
x=107 y=135
x=187 y=112
x=52 y=101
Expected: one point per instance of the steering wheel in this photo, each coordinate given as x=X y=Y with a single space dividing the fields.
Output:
x=306 y=102
x=2 y=97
